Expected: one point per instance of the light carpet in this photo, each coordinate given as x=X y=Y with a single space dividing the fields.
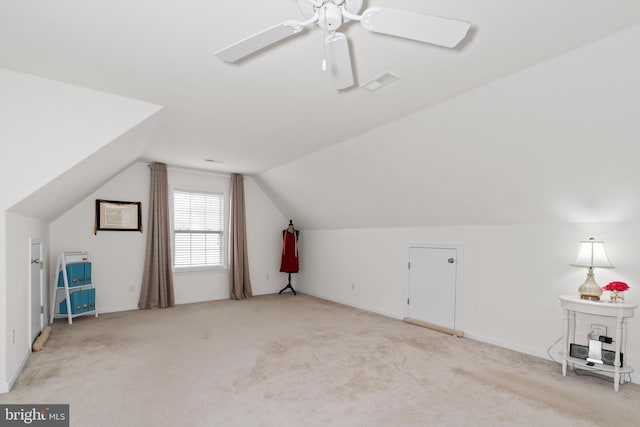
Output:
x=285 y=360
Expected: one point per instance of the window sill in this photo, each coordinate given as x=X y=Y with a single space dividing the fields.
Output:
x=203 y=269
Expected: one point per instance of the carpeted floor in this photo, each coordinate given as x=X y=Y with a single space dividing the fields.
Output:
x=284 y=360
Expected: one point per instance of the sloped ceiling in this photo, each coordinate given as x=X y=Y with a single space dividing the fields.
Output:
x=276 y=106
x=555 y=143
x=51 y=133
x=64 y=191
x=274 y=115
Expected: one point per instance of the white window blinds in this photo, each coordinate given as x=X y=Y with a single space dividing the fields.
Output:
x=197 y=229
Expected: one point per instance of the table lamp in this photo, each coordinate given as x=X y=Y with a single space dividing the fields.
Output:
x=591 y=254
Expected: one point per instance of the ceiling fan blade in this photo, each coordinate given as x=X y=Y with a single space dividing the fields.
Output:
x=338 y=61
x=259 y=41
x=415 y=26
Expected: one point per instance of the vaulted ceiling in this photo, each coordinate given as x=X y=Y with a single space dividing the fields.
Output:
x=274 y=114
x=276 y=106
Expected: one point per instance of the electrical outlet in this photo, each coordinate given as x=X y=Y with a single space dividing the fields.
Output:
x=353 y=286
x=132 y=288
x=597 y=331
x=13 y=336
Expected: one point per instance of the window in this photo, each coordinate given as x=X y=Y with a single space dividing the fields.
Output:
x=197 y=229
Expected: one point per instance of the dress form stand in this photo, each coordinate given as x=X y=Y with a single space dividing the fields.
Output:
x=288 y=287
x=289 y=263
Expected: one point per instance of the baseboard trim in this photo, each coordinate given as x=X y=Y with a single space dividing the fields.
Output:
x=350 y=304
x=195 y=300
x=5 y=387
x=135 y=307
x=507 y=345
x=116 y=309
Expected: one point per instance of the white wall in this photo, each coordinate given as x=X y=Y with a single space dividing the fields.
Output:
x=4 y=385
x=118 y=257
x=511 y=275
x=18 y=304
x=264 y=232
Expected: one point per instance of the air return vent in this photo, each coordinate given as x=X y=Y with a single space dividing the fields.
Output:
x=381 y=80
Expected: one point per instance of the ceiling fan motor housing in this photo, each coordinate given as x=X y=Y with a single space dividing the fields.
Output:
x=329 y=11
x=330 y=17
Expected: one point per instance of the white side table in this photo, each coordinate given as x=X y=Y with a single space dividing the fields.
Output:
x=620 y=311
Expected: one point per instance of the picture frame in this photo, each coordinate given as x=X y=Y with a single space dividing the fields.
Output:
x=114 y=215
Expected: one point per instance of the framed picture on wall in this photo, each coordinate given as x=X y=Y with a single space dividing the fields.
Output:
x=112 y=215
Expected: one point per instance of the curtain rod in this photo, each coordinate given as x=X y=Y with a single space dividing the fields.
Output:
x=198 y=171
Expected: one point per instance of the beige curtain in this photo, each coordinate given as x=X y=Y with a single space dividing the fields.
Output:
x=239 y=280
x=157 y=280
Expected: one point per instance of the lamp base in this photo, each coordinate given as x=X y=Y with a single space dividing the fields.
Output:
x=590 y=290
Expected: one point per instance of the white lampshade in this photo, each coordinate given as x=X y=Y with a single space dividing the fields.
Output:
x=592 y=254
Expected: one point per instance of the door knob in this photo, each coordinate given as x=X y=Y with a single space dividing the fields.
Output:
x=450 y=260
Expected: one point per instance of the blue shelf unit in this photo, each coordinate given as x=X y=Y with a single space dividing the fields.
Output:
x=74 y=293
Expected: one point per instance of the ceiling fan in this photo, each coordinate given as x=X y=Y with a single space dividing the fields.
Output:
x=331 y=14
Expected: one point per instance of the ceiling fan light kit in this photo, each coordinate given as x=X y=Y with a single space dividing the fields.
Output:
x=330 y=15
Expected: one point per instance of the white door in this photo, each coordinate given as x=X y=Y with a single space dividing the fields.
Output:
x=36 y=289
x=432 y=285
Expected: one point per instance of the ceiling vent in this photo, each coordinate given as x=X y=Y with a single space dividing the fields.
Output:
x=381 y=80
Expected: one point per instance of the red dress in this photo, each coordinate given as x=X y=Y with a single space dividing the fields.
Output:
x=289 y=263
